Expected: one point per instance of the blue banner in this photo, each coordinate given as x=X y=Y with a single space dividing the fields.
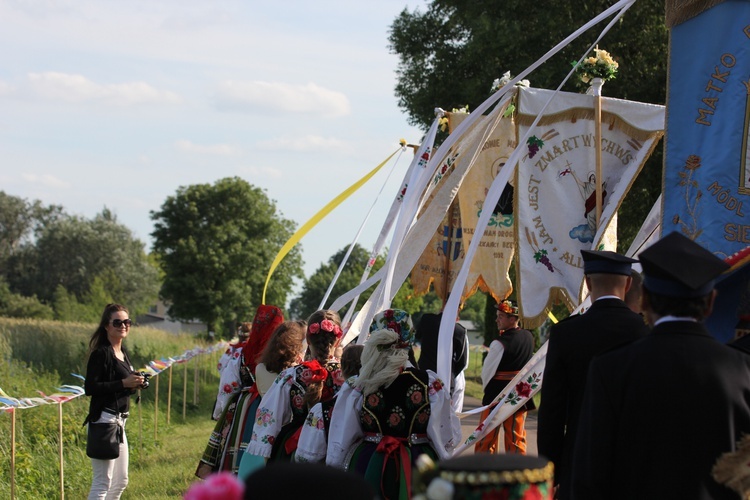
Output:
x=707 y=156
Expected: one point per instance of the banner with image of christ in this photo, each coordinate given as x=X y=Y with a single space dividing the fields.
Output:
x=556 y=187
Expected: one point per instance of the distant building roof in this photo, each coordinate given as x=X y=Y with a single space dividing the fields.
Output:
x=468 y=324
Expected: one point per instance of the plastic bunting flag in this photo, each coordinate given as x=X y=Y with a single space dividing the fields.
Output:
x=69 y=392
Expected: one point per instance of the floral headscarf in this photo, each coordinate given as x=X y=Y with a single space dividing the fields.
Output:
x=397 y=321
x=507 y=307
x=267 y=319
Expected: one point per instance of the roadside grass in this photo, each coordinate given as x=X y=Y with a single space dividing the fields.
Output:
x=473 y=375
x=160 y=468
x=167 y=469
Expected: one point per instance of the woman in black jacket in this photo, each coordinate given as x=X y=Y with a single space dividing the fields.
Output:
x=110 y=380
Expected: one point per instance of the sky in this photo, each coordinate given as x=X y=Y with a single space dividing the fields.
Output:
x=119 y=104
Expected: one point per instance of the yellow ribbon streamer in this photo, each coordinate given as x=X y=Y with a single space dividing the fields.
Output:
x=302 y=231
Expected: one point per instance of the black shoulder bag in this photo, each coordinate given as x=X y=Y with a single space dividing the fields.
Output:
x=104 y=440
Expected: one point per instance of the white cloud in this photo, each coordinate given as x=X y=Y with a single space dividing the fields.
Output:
x=281 y=97
x=306 y=143
x=206 y=149
x=266 y=172
x=6 y=89
x=45 y=180
x=66 y=87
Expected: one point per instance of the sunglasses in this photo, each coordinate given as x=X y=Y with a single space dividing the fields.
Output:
x=117 y=323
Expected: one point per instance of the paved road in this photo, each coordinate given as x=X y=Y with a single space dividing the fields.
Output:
x=468 y=424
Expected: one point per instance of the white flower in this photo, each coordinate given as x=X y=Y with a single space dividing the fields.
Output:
x=440 y=489
x=501 y=82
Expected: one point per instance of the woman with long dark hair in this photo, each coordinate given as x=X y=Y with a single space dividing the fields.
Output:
x=228 y=440
x=278 y=421
x=110 y=380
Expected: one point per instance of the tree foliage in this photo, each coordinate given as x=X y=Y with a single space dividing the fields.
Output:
x=215 y=245
x=450 y=54
x=314 y=288
x=13 y=305
x=20 y=221
x=94 y=261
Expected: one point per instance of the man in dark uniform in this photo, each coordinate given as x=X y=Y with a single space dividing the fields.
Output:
x=427 y=332
x=573 y=342
x=508 y=354
x=658 y=412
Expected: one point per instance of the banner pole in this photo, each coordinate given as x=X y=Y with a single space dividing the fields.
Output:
x=156 y=406
x=60 y=448
x=196 y=375
x=184 y=390
x=12 y=454
x=140 y=428
x=169 y=394
x=597 y=88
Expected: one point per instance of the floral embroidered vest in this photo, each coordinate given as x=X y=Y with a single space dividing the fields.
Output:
x=331 y=386
x=399 y=410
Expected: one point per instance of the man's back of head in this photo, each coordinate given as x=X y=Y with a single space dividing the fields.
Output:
x=607 y=273
x=679 y=278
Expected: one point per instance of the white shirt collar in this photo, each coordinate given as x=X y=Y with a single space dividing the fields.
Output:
x=608 y=297
x=665 y=319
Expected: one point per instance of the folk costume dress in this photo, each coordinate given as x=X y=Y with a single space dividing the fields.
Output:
x=231 y=434
x=279 y=419
x=380 y=435
x=229 y=377
x=313 y=439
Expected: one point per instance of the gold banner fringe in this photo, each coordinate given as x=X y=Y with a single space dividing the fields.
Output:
x=679 y=11
x=609 y=120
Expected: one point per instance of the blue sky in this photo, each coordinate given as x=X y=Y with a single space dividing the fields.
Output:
x=118 y=104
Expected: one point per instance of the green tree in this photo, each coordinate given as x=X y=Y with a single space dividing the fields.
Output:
x=474 y=308
x=84 y=256
x=13 y=305
x=67 y=307
x=450 y=54
x=215 y=244
x=314 y=288
x=20 y=220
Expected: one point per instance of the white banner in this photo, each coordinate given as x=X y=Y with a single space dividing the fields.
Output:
x=556 y=185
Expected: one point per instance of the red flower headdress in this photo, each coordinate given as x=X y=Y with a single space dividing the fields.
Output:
x=325 y=326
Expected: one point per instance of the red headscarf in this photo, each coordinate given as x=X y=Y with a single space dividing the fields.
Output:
x=267 y=319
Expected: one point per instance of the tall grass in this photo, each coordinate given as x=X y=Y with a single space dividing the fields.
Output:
x=58 y=347
x=40 y=355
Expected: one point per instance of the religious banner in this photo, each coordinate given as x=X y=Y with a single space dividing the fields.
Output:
x=556 y=187
x=444 y=254
x=490 y=265
x=706 y=191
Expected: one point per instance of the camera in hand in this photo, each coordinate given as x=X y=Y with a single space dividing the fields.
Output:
x=146 y=376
